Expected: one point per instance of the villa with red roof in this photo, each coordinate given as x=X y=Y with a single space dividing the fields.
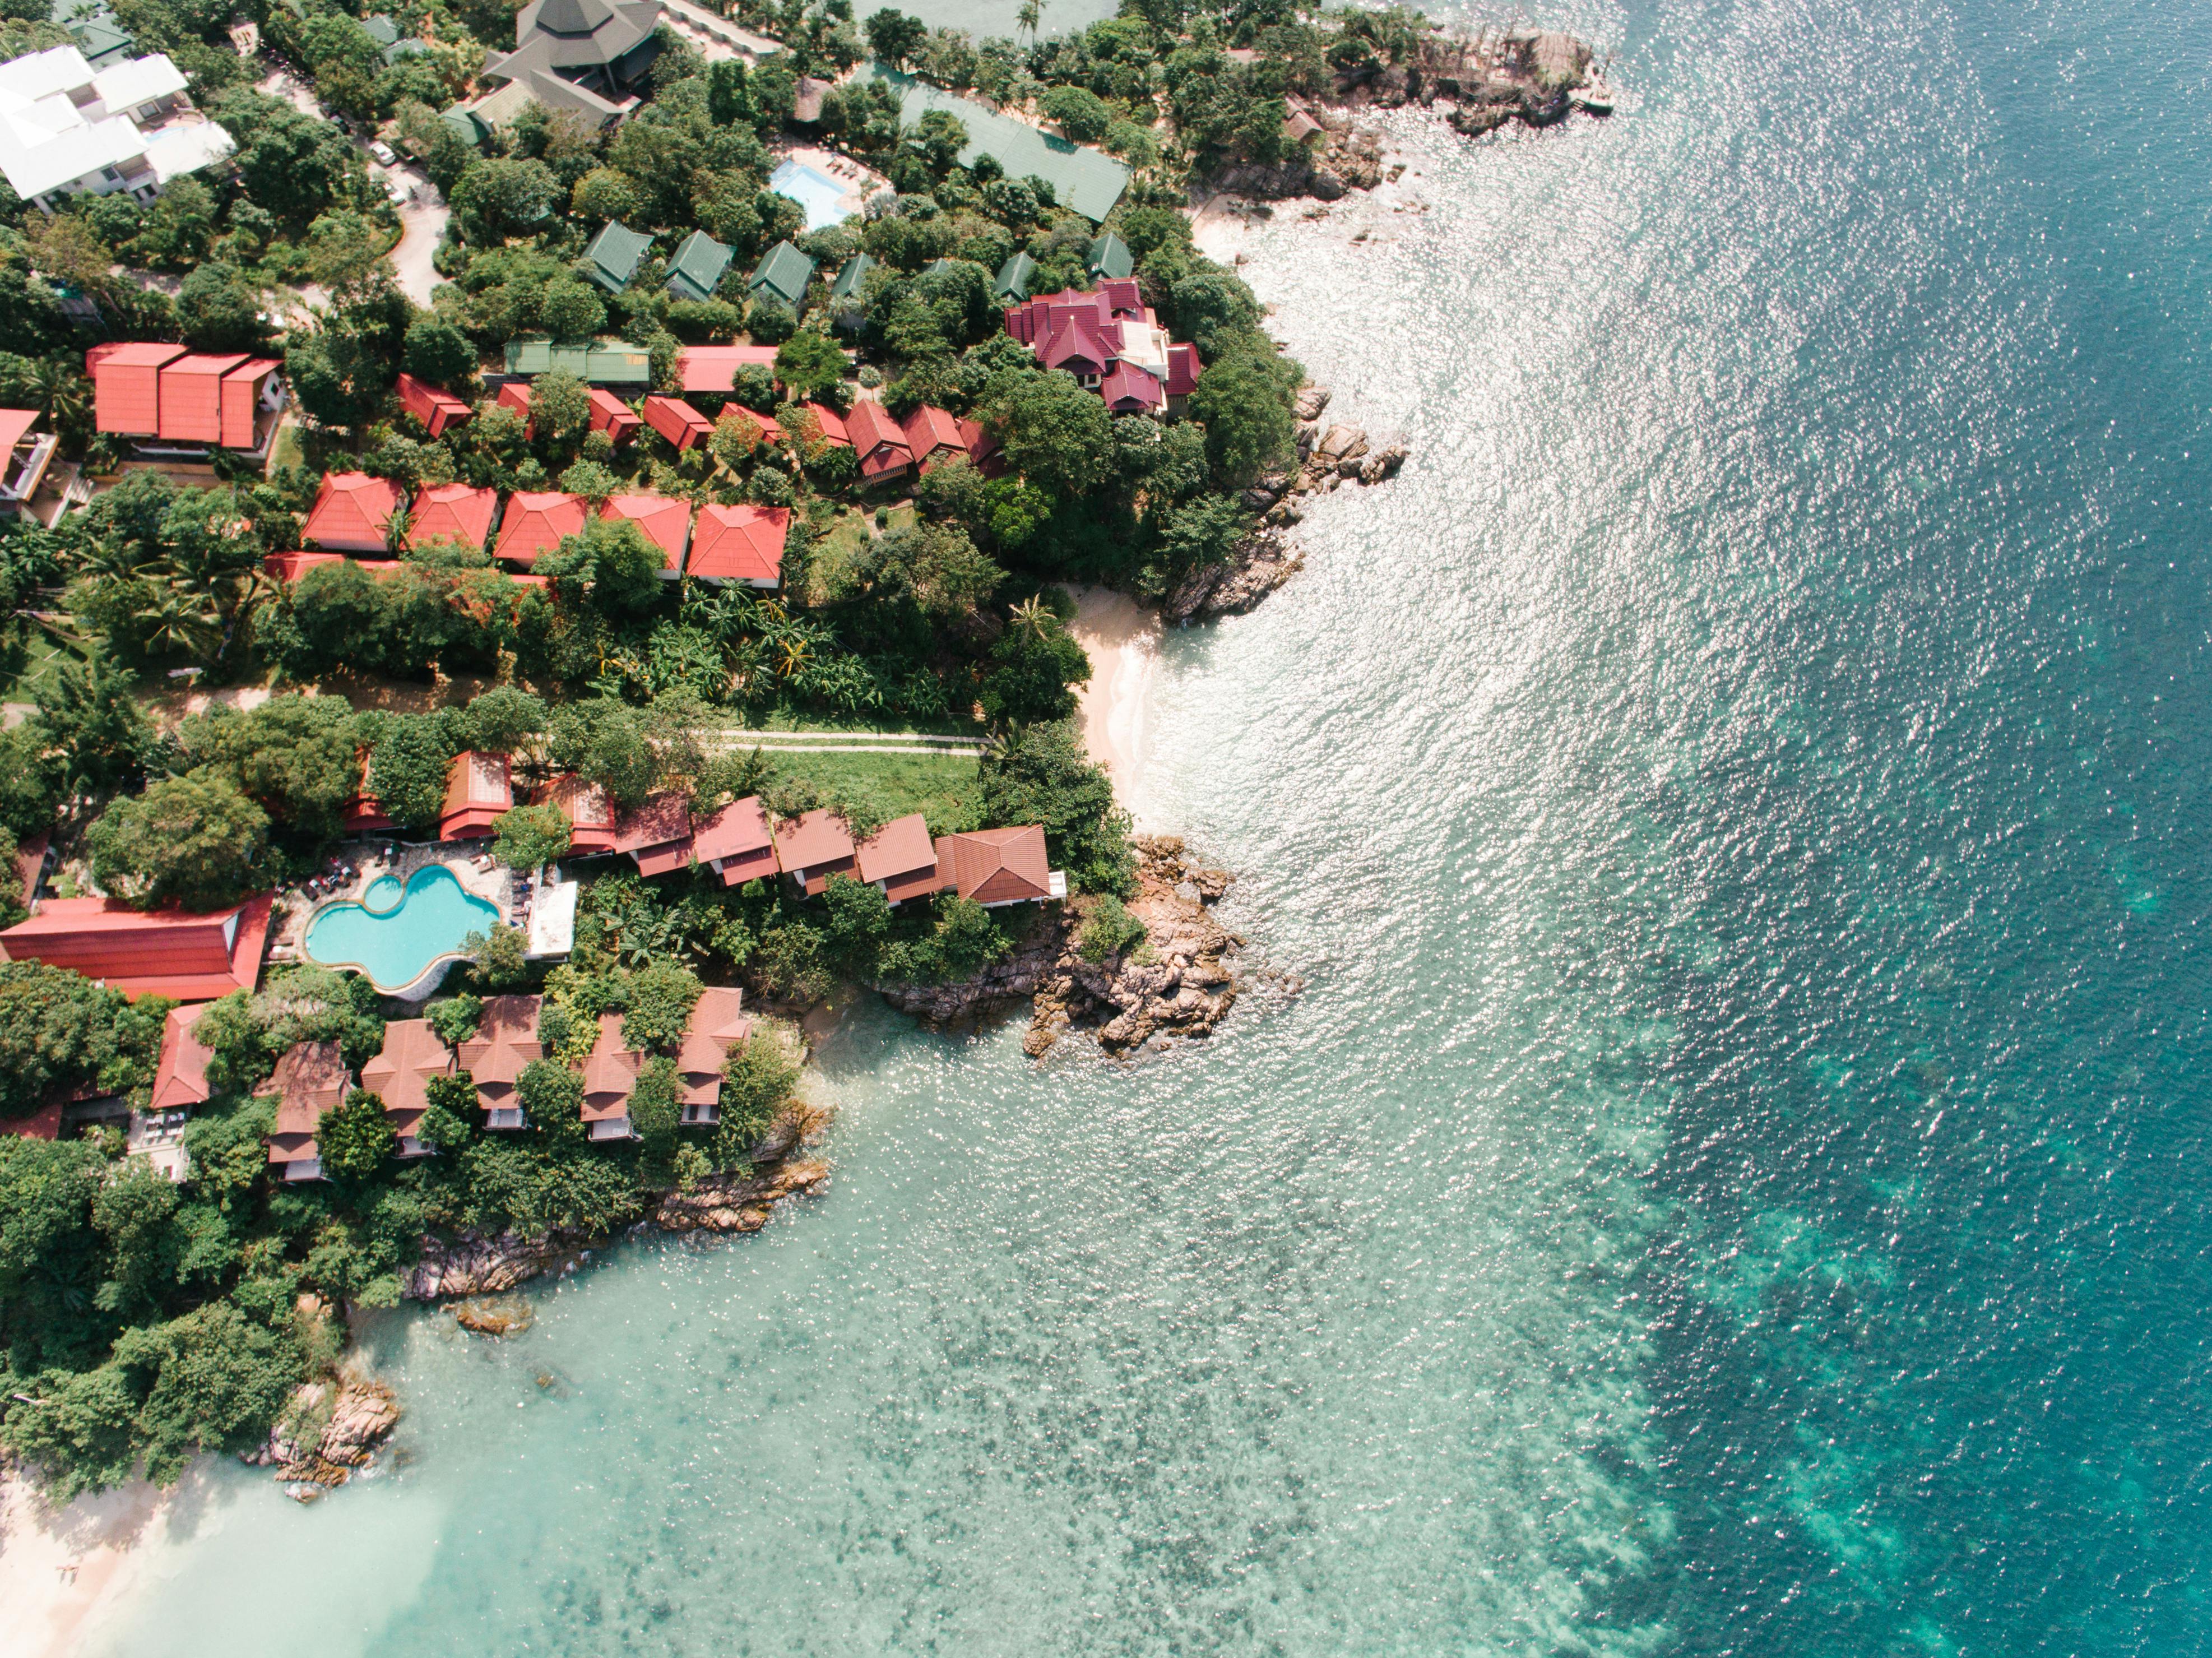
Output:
x=180 y=1074
x=400 y=1076
x=830 y=425
x=611 y=1072
x=309 y=1080
x=878 y=441
x=438 y=410
x=1111 y=341
x=351 y=512
x=126 y=386
x=458 y=513
x=657 y=836
x=934 y=434
x=998 y=866
x=900 y=860
x=590 y=815
x=677 y=421
x=743 y=543
x=478 y=788
x=736 y=842
x=506 y=1040
x=610 y=414
x=718 y=1025
x=666 y=522
x=536 y=522
x=515 y=395
x=143 y=388
x=711 y=370
x=812 y=847
x=157 y=952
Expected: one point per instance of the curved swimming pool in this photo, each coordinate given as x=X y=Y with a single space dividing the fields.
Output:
x=393 y=934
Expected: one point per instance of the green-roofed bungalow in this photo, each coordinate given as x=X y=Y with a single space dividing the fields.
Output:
x=410 y=47
x=381 y=29
x=783 y=272
x=464 y=121
x=614 y=253
x=1109 y=256
x=845 y=309
x=697 y=268
x=1012 y=284
x=602 y=363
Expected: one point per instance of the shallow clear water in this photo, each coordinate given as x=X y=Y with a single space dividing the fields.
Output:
x=396 y=932
x=1732 y=1181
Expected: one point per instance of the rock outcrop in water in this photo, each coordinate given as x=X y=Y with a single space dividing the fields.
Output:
x=329 y=1431
x=1178 y=982
x=474 y=1264
x=1328 y=459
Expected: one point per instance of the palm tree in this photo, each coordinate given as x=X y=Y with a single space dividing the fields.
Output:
x=1034 y=616
x=1026 y=20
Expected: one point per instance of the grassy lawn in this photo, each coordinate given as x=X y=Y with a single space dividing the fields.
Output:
x=946 y=789
x=45 y=649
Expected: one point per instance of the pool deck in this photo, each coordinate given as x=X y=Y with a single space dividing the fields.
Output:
x=493 y=883
x=859 y=182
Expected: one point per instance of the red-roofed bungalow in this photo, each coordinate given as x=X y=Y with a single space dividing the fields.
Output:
x=157 y=952
x=711 y=370
x=1182 y=375
x=877 y=440
x=590 y=815
x=677 y=421
x=813 y=846
x=1129 y=389
x=901 y=860
x=515 y=395
x=458 y=513
x=737 y=841
x=535 y=522
x=610 y=414
x=351 y=512
x=656 y=835
x=181 y=1075
x=932 y=435
x=478 y=790
x=436 y=410
x=667 y=523
x=831 y=424
x=126 y=386
x=290 y=566
x=740 y=543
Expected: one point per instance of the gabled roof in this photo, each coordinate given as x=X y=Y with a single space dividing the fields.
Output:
x=813 y=846
x=718 y=1023
x=901 y=856
x=401 y=1071
x=241 y=400
x=160 y=952
x=1129 y=389
x=697 y=268
x=506 y=1040
x=597 y=362
x=609 y=1072
x=436 y=410
x=1182 y=370
x=350 y=512
x=478 y=788
x=535 y=522
x=515 y=395
x=711 y=370
x=309 y=1079
x=662 y=821
x=614 y=254
x=830 y=424
x=459 y=512
x=1014 y=278
x=590 y=813
x=181 y=1075
x=850 y=275
x=580 y=55
x=783 y=271
x=738 y=838
x=928 y=430
x=739 y=543
x=1109 y=256
x=610 y=414
x=665 y=520
x=676 y=419
x=997 y=865
x=877 y=439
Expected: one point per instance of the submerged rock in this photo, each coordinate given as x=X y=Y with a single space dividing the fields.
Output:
x=496 y=1315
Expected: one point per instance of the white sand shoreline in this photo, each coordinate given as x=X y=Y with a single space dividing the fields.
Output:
x=62 y=1568
x=1122 y=640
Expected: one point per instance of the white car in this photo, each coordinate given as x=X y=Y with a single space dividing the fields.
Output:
x=382 y=151
x=401 y=194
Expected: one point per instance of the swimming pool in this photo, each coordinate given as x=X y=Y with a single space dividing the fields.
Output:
x=817 y=192
x=395 y=932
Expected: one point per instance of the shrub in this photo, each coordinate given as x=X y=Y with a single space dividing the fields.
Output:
x=354 y=1139
x=662 y=997
x=500 y=956
x=1108 y=930
x=529 y=836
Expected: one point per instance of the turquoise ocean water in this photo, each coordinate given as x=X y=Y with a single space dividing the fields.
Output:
x=1733 y=1182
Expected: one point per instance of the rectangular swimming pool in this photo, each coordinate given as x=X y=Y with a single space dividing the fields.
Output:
x=817 y=191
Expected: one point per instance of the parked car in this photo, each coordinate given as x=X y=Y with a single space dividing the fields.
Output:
x=382 y=151
x=400 y=193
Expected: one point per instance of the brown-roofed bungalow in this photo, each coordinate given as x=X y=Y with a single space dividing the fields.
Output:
x=718 y=1025
x=812 y=847
x=478 y=788
x=591 y=814
x=878 y=443
x=611 y=1072
x=656 y=835
x=180 y=1074
x=400 y=1076
x=309 y=1080
x=997 y=866
x=351 y=512
x=736 y=842
x=899 y=859
x=158 y=952
x=506 y=1040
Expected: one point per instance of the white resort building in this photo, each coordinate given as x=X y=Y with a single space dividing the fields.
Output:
x=68 y=130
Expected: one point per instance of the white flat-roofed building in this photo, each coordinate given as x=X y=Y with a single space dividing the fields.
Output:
x=67 y=130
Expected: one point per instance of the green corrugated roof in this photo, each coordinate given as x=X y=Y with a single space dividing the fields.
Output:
x=602 y=362
x=698 y=267
x=614 y=253
x=784 y=272
x=850 y=278
x=410 y=47
x=381 y=29
x=1110 y=256
x=1014 y=277
x=1086 y=181
x=464 y=121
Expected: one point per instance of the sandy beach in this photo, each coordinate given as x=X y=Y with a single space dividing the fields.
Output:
x=1122 y=640
x=59 y=1567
